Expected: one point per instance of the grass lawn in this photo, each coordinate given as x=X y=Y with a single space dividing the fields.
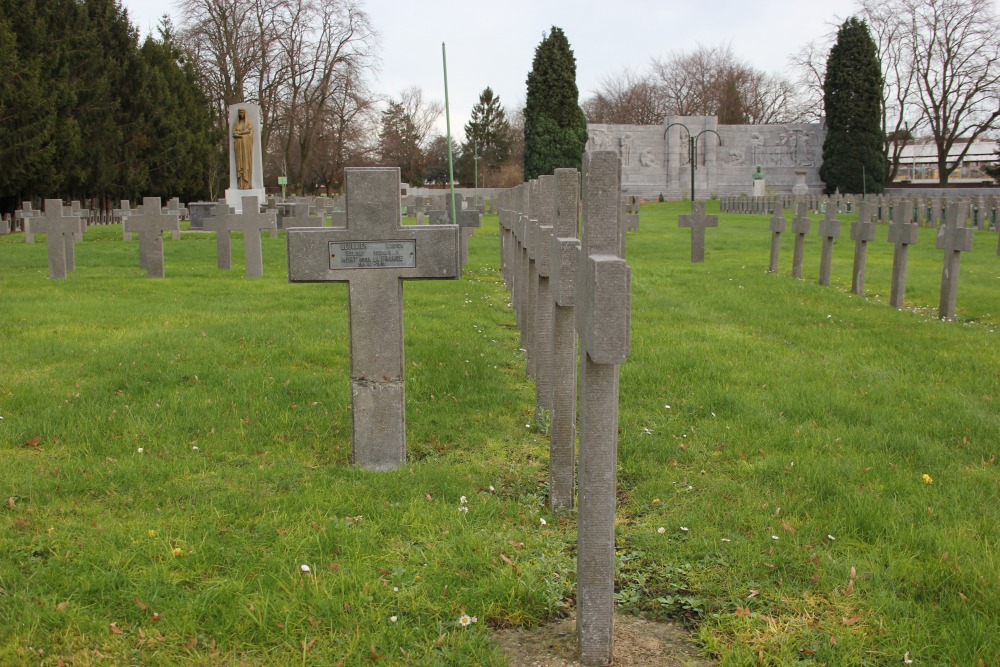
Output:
x=176 y=485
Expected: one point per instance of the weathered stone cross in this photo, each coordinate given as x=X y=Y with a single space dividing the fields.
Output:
x=59 y=228
x=25 y=214
x=862 y=231
x=800 y=226
x=697 y=221
x=250 y=222
x=902 y=234
x=602 y=322
x=777 y=228
x=829 y=229
x=374 y=254
x=150 y=222
x=954 y=238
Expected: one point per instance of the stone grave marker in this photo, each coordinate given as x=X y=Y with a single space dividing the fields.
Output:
x=468 y=220
x=697 y=221
x=24 y=215
x=777 y=229
x=563 y=251
x=544 y=304
x=5 y=224
x=122 y=213
x=374 y=254
x=174 y=206
x=602 y=322
x=250 y=222
x=954 y=237
x=862 y=232
x=902 y=234
x=302 y=217
x=149 y=222
x=59 y=226
x=829 y=229
x=530 y=239
x=800 y=227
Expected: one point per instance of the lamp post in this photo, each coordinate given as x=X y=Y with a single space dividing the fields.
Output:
x=475 y=162
x=692 y=148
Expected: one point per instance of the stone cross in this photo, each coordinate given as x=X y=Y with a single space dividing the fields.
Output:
x=124 y=212
x=468 y=220
x=697 y=221
x=250 y=222
x=777 y=228
x=150 y=222
x=59 y=227
x=602 y=322
x=829 y=229
x=25 y=214
x=862 y=231
x=800 y=226
x=301 y=218
x=954 y=237
x=374 y=254
x=544 y=304
x=531 y=278
x=563 y=250
x=902 y=234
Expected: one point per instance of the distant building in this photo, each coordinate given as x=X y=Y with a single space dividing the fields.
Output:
x=918 y=162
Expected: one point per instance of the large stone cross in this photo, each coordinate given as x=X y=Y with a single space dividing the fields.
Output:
x=862 y=231
x=829 y=229
x=59 y=228
x=697 y=221
x=374 y=254
x=800 y=226
x=150 y=222
x=603 y=322
x=902 y=234
x=777 y=228
x=954 y=237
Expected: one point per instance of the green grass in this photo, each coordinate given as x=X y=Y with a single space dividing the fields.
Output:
x=796 y=411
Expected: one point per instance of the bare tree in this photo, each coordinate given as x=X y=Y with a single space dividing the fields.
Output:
x=422 y=114
x=956 y=60
x=712 y=81
x=809 y=62
x=626 y=98
x=325 y=46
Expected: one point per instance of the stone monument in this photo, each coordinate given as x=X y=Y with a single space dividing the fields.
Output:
x=246 y=165
x=759 y=182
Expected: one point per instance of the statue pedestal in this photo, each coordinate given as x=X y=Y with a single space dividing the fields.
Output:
x=800 y=187
x=234 y=197
x=759 y=188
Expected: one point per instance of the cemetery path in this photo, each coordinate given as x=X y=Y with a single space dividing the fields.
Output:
x=637 y=643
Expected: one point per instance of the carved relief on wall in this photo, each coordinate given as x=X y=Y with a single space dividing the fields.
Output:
x=600 y=140
x=646 y=158
x=787 y=147
x=625 y=143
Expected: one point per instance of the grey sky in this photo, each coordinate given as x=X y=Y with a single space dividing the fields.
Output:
x=492 y=44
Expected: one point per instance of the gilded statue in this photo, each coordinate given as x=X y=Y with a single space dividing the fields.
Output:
x=243 y=149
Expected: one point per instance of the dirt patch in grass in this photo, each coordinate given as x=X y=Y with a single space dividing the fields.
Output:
x=637 y=643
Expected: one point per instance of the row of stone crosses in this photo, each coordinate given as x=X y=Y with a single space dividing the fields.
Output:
x=953 y=236
x=64 y=227
x=569 y=282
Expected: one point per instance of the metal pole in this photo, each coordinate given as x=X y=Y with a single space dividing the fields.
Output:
x=475 y=160
x=447 y=122
x=691 y=151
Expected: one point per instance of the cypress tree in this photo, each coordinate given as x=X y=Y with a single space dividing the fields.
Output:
x=853 y=160
x=555 y=129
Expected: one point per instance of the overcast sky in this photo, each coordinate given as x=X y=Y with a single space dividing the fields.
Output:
x=492 y=44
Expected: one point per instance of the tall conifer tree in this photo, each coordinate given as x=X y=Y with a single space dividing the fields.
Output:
x=555 y=129
x=853 y=159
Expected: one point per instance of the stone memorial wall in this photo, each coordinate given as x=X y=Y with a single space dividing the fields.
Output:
x=656 y=158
